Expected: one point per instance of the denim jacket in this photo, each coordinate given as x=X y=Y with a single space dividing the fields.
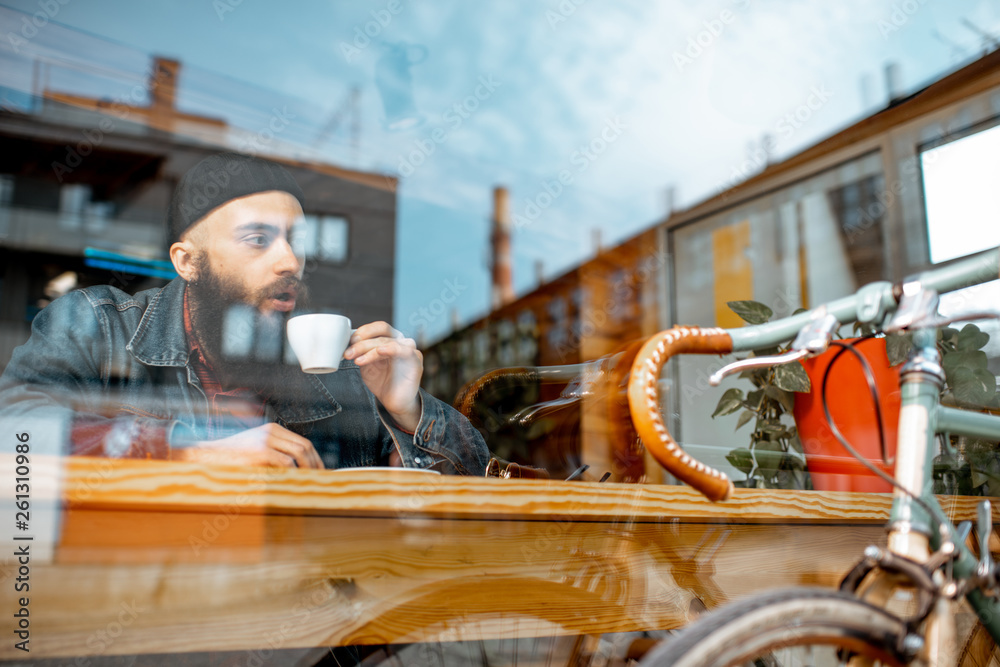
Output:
x=117 y=364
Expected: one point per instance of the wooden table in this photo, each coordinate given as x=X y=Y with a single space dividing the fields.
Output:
x=157 y=557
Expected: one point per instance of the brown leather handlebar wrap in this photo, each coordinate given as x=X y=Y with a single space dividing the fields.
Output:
x=644 y=404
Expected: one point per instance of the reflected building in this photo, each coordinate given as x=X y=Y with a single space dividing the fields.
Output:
x=85 y=182
x=862 y=205
x=589 y=312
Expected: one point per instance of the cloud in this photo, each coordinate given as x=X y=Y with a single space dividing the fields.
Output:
x=561 y=81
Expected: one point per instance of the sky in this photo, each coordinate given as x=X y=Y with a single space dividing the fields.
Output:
x=588 y=111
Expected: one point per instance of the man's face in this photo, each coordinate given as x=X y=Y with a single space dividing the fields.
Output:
x=249 y=250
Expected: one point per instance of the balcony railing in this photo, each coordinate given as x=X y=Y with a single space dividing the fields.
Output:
x=70 y=233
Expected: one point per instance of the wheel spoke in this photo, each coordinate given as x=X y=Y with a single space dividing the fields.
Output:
x=791 y=628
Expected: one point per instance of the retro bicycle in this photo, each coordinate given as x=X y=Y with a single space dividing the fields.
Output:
x=926 y=558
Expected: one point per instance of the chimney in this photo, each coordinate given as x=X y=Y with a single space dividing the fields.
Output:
x=596 y=236
x=671 y=199
x=539 y=271
x=163 y=85
x=867 y=96
x=502 y=277
x=893 y=84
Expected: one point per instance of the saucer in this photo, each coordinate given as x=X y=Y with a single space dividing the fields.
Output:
x=390 y=469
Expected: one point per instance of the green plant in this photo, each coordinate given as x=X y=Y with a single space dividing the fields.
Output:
x=967 y=466
x=774 y=458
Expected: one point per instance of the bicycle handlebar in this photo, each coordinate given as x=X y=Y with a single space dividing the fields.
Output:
x=644 y=404
x=870 y=304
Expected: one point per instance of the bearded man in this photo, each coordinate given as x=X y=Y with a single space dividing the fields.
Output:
x=196 y=370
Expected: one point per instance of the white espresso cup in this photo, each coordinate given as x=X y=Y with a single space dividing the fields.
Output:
x=319 y=340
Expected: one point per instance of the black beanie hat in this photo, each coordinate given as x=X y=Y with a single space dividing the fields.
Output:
x=218 y=179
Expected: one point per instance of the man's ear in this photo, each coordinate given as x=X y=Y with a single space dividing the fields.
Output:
x=182 y=255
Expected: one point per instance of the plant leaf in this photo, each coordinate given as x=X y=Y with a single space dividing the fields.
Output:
x=982 y=453
x=731 y=401
x=751 y=312
x=792 y=377
x=984 y=464
x=754 y=398
x=971 y=338
x=897 y=348
x=980 y=477
x=948 y=335
x=974 y=360
x=785 y=398
x=758 y=376
x=972 y=386
x=741 y=459
x=779 y=429
x=769 y=461
x=768 y=445
x=745 y=417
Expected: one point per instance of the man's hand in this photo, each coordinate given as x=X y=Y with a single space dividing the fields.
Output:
x=268 y=445
x=391 y=367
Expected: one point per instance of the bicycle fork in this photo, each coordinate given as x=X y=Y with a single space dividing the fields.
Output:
x=924 y=549
x=911 y=527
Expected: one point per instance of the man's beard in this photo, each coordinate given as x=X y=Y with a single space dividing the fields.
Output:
x=245 y=346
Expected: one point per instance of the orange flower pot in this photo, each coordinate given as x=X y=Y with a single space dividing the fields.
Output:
x=853 y=411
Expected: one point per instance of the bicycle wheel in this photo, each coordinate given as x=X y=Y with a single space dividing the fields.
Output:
x=788 y=628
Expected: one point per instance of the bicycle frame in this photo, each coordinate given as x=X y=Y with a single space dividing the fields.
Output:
x=912 y=533
x=922 y=418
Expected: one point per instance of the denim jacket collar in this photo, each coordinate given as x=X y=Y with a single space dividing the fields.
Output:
x=159 y=340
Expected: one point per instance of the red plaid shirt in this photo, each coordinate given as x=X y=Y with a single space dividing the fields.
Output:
x=240 y=408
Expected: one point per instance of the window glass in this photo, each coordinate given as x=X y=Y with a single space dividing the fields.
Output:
x=6 y=193
x=246 y=455
x=958 y=179
x=73 y=199
x=325 y=238
x=800 y=246
x=332 y=239
x=860 y=214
